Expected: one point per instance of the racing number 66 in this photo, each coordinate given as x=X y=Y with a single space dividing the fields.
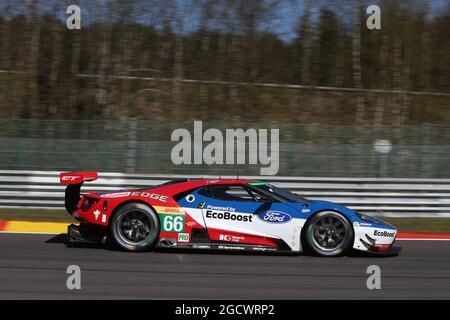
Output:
x=173 y=223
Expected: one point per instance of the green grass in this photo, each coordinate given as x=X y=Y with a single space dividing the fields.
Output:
x=426 y=225
x=35 y=215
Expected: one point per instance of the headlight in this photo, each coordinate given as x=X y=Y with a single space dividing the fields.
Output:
x=370 y=219
x=367 y=218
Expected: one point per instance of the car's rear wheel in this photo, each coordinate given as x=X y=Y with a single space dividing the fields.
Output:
x=328 y=233
x=134 y=227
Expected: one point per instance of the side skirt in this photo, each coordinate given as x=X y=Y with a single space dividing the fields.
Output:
x=224 y=247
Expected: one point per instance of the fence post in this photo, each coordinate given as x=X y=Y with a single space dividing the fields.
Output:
x=425 y=137
x=131 y=145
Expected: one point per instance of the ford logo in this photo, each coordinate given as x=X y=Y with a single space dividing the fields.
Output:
x=275 y=217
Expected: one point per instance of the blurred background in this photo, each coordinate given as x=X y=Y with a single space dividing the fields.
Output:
x=106 y=97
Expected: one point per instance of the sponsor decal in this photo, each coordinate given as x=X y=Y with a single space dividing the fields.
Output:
x=383 y=233
x=356 y=224
x=169 y=210
x=212 y=181
x=230 y=238
x=201 y=246
x=201 y=205
x=263 y=249
x=190 y=198
x=144 y=194
x=171 y=223
x=70 y=178
x=305 y=209
x=228 y=216
x=225 y=237
x=115 y=195
x=96 y=214
x=183 y=237
x=231 y=247
x=104 y=218
x=275 y=217
x=229 y=209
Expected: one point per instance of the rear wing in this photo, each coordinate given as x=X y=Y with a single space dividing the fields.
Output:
x=74 y=180
x=77 y=177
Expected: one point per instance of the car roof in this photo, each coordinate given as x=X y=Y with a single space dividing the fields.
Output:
x=177 y=186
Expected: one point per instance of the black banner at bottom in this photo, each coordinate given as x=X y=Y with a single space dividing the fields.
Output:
x=217 y=309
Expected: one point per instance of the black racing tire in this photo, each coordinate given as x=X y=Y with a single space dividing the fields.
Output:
x=327 y=234
x=134 y=227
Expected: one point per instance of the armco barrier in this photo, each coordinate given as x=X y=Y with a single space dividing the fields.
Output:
x=389 y=197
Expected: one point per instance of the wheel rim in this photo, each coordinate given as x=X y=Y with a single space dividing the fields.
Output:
x=329 y=232
x=134 y=227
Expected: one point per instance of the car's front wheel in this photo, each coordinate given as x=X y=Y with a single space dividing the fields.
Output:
x=134 y=227
x=328 y=233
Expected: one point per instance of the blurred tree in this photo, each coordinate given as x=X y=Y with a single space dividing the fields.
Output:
x=147 y=58
x=356 y=59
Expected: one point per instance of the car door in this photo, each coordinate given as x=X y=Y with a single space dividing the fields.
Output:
x=235 y=214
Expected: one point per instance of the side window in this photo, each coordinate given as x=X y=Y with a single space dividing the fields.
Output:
x=239 y=193
x=227 y=193
x=206 y=191
x=258 y=195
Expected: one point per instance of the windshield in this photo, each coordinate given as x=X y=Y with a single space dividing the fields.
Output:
x=288 y=195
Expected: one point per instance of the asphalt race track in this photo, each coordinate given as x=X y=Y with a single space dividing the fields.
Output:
x=34 y=267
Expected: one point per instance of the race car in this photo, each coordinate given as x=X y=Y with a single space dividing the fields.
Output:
x=221 y=214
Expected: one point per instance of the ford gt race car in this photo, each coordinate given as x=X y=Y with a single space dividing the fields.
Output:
x=221 y=214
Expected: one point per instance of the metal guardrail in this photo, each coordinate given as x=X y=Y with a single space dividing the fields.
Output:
x=394 y=197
